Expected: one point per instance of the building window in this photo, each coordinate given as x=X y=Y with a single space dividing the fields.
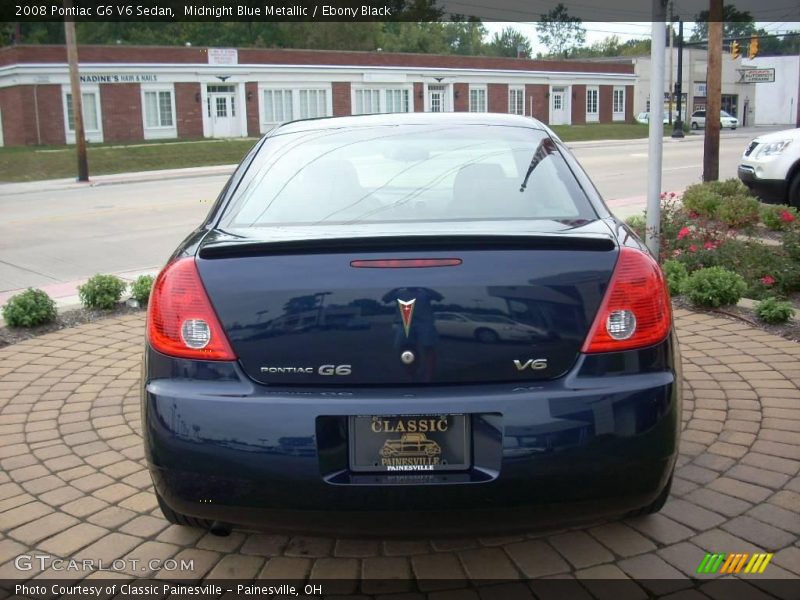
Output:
x=91 y=122
x=592 y=104
x=313 y=104
x=618 y=103
x=368 y=102
x=277 y=106
x=516 y=100
x=158 y=110
x=477 y=99
x=398 y=101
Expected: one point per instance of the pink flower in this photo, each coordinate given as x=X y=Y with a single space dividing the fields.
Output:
x=672 y=194
x=768 y=280
x=692 y=248
x=663 y=195
x=787 y=217
x=684 y=232
x=693 y=215
x=709 y=245
x=677 y=252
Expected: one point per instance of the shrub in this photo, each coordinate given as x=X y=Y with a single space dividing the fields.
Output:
x=772 y=310
x=714 y=287
x=778 y=217
x=728 y=188
x=676 y=275
x=638 y=223
x=30 y=308
x=791 y=244
x=700 y=199
x=101 y=291
x=140 y=289
x=738 y=211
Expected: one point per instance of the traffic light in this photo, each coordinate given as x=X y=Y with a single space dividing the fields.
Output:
x=736 y=50
x=753 y=47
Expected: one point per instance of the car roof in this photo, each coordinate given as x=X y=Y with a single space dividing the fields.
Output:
x=416 y=118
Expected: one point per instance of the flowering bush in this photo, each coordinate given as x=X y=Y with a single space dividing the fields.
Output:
x=738 y=211
x=779 y=217
x=702 y=201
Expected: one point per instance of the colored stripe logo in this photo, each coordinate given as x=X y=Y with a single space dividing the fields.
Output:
x=729 y=564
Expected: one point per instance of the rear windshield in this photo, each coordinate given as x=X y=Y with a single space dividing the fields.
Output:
x=406 y=173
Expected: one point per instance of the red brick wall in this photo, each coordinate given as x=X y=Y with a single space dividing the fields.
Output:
x=189 y=110
x=605 y=98
x=253 y=116
x=342 y=104
x=629 y=104
x=51 y=115
x=121 y=107
x=537 y=91
x=578 y=104
x=497 y=97
x=419 y=101
x=178 y=54
x=460 y=97
x=18 y=105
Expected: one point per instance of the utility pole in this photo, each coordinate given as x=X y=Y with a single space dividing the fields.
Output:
x=671 y=51
x=713 y=92
x=75 y=91
x=656 y=125
x=677 y=130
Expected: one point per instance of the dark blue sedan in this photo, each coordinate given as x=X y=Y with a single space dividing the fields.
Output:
x=396 y=323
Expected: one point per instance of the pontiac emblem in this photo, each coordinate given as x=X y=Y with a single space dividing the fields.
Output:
x=406 y=312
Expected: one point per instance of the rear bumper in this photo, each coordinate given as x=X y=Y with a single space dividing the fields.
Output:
x=599 y=441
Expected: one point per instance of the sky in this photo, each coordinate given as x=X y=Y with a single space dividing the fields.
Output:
x=597 y=31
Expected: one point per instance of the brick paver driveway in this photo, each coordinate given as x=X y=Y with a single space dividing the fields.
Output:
x=73 y=481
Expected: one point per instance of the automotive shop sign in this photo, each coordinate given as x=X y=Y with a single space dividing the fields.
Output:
x=756 y=75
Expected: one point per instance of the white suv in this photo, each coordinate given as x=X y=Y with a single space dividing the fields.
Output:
x=770 y=167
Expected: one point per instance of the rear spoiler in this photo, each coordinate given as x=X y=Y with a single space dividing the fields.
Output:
x=404 y=244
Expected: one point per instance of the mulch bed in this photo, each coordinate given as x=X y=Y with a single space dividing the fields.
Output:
x=70 y=318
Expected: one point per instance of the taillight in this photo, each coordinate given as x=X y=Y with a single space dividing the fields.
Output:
x=180 y=319
x=636 y=309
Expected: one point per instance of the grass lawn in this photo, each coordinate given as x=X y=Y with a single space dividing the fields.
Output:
x=35 y=163
x=27 y=163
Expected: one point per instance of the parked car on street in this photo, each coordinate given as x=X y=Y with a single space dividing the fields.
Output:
x=644 y=118
x=698 y=120
x=770 y=167
x=394 y=219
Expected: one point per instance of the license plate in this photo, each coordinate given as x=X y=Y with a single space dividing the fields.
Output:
x=409 y=443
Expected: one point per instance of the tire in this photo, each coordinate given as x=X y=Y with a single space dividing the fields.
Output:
x=733 y=128
x=694 y=125
x=486 y=336
x=179 y=519
x=656 y=505
x=793 y=194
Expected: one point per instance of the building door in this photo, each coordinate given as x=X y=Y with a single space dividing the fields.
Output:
x=222 y=111
x=436 y=98
x=559 y=114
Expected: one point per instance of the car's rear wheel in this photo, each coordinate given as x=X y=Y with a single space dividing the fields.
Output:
x=694 y=125
x=656 y=505
x=793 y=195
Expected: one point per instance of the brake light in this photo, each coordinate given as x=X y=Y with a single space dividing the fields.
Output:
x=180 y=319
x=636 y=309
x=405 y=263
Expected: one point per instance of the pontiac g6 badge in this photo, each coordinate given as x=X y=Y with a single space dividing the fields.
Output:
x=406 y=312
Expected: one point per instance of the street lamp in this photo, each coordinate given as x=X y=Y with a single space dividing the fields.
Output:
x=677 y=125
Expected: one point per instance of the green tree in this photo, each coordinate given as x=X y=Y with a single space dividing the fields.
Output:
x=508 y=43
x=736 y=23
x=465 y=36
x=561 y=33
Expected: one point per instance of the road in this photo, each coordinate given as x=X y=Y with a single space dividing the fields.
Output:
x=49 y=236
